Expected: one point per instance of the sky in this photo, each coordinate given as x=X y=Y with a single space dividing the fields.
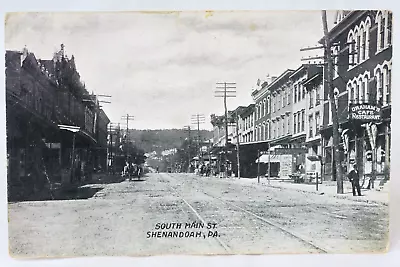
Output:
x=162 y=68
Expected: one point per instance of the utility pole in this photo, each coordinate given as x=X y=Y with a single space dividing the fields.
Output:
x=198 y=119
x=335 y=121
x=128 y=118
x=110 y=151
x=225 y=90
x=328 y=63
x=189 y=141
x=237 y=145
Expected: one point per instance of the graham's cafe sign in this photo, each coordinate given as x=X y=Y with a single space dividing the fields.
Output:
x=364 y=112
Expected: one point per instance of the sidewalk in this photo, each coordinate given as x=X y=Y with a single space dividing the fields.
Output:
x=328 y=188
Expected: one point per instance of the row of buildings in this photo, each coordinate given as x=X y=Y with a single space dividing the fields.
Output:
x=56 y=129
x=291 y=113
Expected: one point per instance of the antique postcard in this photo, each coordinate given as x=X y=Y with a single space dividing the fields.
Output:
x=198 y=132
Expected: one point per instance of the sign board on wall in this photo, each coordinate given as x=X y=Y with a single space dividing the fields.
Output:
x=285 y=166
x=364 y=112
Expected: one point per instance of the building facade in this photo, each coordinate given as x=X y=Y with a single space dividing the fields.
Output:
x=313 y=85
x=362 y=81
x=42 y=96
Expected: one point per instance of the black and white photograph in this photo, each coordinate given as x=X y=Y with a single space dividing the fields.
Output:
x=144 y=133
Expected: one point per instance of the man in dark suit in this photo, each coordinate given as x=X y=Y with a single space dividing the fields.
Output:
x=354 y=178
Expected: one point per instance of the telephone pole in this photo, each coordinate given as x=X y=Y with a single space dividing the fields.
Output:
x=328 y=63
x=128 y=118
x=198 y=119
x=225 y=90
x=335 y=121
x=237 y=144
x=189 y=147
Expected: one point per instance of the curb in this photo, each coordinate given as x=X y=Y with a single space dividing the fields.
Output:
x=335 y=196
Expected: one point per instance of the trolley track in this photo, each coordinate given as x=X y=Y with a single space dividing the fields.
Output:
x=304 y=240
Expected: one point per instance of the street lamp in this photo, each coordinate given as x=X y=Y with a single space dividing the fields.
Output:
x=74 y=130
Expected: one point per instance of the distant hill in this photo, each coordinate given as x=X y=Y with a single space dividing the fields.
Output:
x=160 y=140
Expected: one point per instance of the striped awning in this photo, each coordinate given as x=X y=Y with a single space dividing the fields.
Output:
x=269 y=158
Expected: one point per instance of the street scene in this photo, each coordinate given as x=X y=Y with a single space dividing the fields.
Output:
x=198 y=132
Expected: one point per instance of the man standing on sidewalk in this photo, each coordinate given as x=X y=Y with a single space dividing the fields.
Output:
x=354 y=178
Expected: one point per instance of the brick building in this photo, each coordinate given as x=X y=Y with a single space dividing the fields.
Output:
x=363 y=61
x=41 y=95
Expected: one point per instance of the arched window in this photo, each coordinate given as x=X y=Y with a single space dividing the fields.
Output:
x=361 y=92
x=268 y=105
x=350 y=40
x=350 y=93
x=264 y=135
x=387 y=84
x=381 y=21
x=265 y=106
x=379 y=86
x=357 y=45
x=389 y=28
x=256 y=133
x=356 y=88
x=362 y=36
x=366 y=89
x=367 y=37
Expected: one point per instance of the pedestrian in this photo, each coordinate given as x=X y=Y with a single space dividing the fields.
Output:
x=354 y=178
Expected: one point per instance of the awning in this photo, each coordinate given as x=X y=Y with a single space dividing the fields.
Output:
x=269 y=158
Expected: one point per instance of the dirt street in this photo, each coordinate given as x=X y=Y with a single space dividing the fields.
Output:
x=126 y=219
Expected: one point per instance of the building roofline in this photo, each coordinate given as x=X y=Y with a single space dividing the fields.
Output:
x=280 y=77
x=343 y=22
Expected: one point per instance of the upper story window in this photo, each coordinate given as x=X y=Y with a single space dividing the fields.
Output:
x=294 y=123
x=335 y=54
x=273 y=104
x=268 y=104
x=383 y=76
x=379 y=86
x=265 y=107
x=310 y=126
x=311 y=104
x=300 y=93
x=384 y=36
x=295 y=93
x=279 y=105
x=318 y=95
x=351 y=43
x=350 y=93
x=298 y=122
x=303 y=114
x=317 y=122
x=357 y=45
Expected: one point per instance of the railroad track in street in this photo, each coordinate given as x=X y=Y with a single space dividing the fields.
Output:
x=305 y=240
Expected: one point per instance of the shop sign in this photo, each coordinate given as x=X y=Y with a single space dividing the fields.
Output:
x=365 y=112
